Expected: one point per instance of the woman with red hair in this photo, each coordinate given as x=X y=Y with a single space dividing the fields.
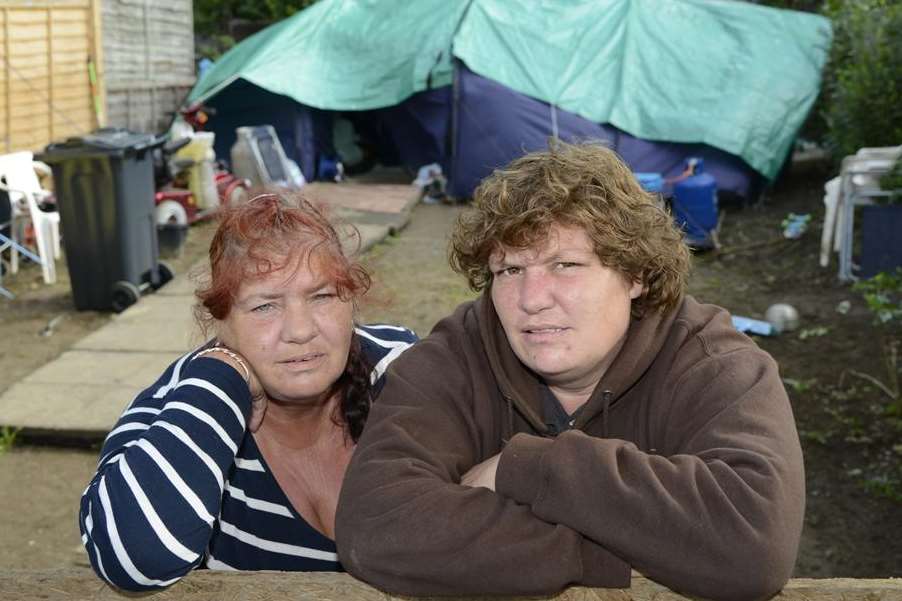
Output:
x=234 y=458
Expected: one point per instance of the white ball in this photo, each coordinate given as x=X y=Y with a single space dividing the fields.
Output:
x=783 y=317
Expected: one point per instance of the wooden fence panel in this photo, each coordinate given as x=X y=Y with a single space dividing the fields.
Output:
x=45 y=92
x=149 y=60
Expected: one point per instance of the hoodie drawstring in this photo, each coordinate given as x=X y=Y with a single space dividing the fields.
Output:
x=506 y=436
x=606 y=398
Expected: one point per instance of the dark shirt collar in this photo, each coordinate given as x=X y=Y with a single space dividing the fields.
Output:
x=554 y=415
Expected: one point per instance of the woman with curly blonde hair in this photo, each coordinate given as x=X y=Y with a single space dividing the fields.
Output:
x=585 y=186
x=582 y=417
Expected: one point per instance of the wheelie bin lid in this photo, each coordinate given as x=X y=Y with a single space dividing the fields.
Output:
x=108 y=141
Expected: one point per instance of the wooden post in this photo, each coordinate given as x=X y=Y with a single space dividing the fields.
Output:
x=148 y=69
x=9 y=83
x=50 y=69
x=97 y=52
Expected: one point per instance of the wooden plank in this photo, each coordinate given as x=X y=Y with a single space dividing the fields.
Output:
x=50 y=44
x=79 y=124
x=81 y=92
x=71 y=79
x=28 y=74
x=7 y=68
x=70 y=29
x=37 y=126
x=83 y=114
x=23 y=68
x=68 y=106
x=21 y=18
x=75 y=45
x=72 y=16
x=99 y=98
x=28 y=140
x=24 y=65
x=39 y=5
x=37 y=83
x=205 y=585
x=22 y=113
x=28 y=32
x=27 y=48
x=69 y=62
x=149 y=47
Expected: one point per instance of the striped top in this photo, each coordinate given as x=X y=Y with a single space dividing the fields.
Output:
x=181 y=483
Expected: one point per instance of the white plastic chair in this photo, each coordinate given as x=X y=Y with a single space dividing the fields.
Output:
x=858 y=184
x=19 y=178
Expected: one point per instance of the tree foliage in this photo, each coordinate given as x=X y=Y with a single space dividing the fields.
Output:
x=861 y=98
x=213 y=17
x=864 y=81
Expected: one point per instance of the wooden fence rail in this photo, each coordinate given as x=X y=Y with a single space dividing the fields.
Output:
x=203 y=585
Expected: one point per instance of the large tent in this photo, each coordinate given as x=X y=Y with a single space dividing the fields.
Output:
x=471 y=84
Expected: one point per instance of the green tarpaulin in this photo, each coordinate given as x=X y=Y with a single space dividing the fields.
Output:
x=730 y=74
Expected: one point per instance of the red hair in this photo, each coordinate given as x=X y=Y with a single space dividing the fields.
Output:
x=267 y=234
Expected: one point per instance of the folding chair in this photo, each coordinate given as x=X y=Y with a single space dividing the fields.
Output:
x=19 y=179
x=8 y=243
x=858 y=184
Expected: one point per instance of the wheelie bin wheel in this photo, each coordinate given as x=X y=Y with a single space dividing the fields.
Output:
x=165 y=273
x=125 y=294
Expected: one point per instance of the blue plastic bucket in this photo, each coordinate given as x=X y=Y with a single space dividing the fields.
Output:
x=695 y=204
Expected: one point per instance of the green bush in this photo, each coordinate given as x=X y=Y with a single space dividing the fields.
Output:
x=863 y=83
x=861 y=97
x=883 y=295
x=212 y=17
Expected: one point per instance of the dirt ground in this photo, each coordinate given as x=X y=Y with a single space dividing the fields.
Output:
x=850 y=531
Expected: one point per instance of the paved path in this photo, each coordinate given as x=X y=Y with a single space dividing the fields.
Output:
x=80 y=394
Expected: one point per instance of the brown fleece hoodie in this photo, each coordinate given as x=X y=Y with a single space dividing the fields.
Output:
x=684 y=464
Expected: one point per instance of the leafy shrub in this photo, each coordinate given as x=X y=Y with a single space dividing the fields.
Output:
x=863 y=83
x=220 y=24
x=883 y=295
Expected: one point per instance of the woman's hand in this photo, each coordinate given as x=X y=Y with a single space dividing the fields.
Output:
x=258 y=395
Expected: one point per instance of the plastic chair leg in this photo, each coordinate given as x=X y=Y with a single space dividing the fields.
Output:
x=845 y=235
x=831 y=200
x=55 y=236
x=43 y=240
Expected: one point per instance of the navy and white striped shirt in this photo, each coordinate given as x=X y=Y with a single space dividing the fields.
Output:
x=181 y=483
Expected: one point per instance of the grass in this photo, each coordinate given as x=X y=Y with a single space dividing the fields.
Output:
x=8 y=437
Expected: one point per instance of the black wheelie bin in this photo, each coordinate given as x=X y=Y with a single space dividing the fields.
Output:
x=104 y=189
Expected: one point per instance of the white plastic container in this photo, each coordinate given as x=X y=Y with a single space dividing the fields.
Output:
x=202 y=174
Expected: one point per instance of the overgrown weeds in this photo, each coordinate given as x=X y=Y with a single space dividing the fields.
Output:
x=863 y=411
x=883 y=295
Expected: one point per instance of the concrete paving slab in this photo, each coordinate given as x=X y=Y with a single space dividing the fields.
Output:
x=181 y=285
x=99 y=368
x=81 y=394
x=156 y=323
x=80 y=411
x=371 y=234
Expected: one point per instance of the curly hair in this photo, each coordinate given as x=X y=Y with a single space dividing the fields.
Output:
x=585 y=185
x=265 y=235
